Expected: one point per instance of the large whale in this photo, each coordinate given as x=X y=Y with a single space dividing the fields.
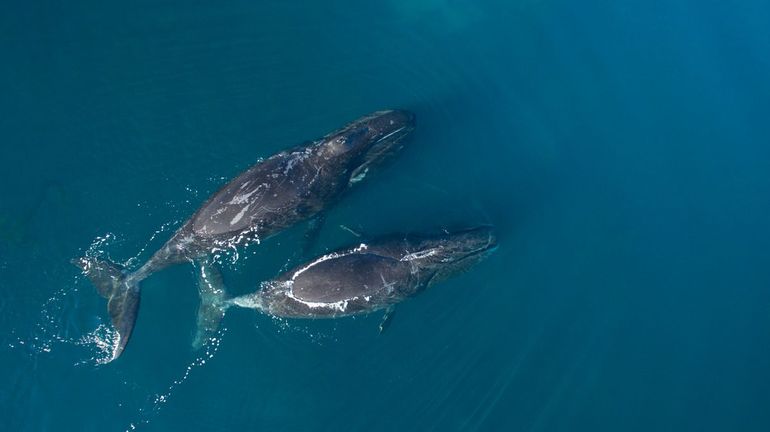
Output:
x=289 y=187
x=355 y=280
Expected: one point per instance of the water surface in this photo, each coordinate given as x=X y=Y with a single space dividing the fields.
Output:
x=620 y=148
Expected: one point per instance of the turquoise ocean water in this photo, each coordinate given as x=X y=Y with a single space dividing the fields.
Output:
x=620 y=148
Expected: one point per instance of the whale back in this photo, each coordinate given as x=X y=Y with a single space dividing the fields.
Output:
x=272 y=191
x=348 y=277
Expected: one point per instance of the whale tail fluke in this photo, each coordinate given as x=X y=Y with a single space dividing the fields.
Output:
x=122 y=296
x=213 y=305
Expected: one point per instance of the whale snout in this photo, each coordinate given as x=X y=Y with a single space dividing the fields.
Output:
x=477 y=240
x=374 y=139
x=452 y=252
x=396 y=117
x=389 y=125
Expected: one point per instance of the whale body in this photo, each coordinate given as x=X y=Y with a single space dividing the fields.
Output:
x=359 y=279
x=289 y=187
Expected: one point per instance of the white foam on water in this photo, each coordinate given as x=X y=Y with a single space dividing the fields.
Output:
x=60 y=327
x=302 y=328
x=98 y=245
x=52 y=333
x=163 y=228
x=228 y=251
x=103 y=341
x=157 y=401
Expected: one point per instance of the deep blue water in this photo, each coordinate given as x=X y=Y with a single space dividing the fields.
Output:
x=620 y=148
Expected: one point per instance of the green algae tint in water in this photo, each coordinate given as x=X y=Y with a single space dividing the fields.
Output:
x=619 y=150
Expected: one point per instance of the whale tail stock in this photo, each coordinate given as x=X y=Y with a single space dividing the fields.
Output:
x=121 y=292
x=213 y=305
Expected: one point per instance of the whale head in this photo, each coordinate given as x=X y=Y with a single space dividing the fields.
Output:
x=367 y=142
x=436 y=258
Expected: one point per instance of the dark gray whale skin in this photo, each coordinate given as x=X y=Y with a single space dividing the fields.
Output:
x=280 y=191
x=355 y=280
x=287 y=188
x=370 y=276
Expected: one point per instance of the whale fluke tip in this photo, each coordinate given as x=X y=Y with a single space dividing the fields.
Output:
x=122 y=296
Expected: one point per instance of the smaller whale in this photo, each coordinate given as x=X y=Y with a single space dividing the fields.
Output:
x=351 y=281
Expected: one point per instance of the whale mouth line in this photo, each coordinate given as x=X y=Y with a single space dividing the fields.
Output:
x=480 y=252
x=484 y=250
x=378 y=151
x=489 y=247
x=390 y=134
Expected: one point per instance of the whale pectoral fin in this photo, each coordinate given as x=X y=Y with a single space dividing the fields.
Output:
x=387 y=318
x=211 y=289
x=313 y=232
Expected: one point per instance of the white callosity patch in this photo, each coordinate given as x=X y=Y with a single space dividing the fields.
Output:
x=413 y=258
x=419 y=255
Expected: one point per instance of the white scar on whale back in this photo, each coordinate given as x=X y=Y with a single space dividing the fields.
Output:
x=243 y=198
x=240 y=214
